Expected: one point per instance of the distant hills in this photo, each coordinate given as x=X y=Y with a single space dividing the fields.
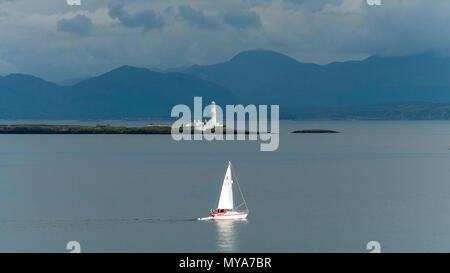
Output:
x=408 y=87
x=125 y=92
x=72 y=81
x=272 y=78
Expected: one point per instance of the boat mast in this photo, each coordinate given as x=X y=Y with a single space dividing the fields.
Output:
x=239 y=187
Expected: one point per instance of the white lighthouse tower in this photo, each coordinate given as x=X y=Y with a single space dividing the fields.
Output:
x=213 y=114
x=212 y=123
x=206 y=125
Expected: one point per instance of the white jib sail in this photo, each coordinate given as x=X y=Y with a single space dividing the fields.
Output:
x=226 y=195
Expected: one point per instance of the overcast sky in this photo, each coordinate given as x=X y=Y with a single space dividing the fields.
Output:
x=50 y=39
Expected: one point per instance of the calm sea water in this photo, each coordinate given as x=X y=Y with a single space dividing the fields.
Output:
x=387 y=181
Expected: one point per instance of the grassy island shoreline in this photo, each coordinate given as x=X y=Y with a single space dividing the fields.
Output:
x=84 y=129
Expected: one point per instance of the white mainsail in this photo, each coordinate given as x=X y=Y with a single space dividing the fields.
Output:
x=226 y=195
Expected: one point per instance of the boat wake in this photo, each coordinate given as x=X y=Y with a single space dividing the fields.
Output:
x=139 y=220
x=94 y=221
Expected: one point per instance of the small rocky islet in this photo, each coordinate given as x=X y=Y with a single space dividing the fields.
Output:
x=315 y=131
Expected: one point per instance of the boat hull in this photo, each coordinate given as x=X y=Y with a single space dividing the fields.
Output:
x=227 y=216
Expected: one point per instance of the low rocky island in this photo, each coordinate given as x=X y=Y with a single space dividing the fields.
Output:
x=82 y=129
x=98 y=129
x=315 y=131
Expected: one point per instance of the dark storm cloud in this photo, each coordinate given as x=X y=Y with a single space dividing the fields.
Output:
x=198 y=18
x=206 y=32
x=242 y=19
x=236 y=18
x=80 y=24
x=314 y=5
x=146 y=19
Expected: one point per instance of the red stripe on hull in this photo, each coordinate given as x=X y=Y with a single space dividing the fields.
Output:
x=229 y=214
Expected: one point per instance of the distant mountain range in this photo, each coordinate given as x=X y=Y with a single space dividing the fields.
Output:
x=272 y=78
x=125 y=92
x=409 y=87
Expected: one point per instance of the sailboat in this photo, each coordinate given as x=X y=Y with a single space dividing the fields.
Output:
x=225 y=209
